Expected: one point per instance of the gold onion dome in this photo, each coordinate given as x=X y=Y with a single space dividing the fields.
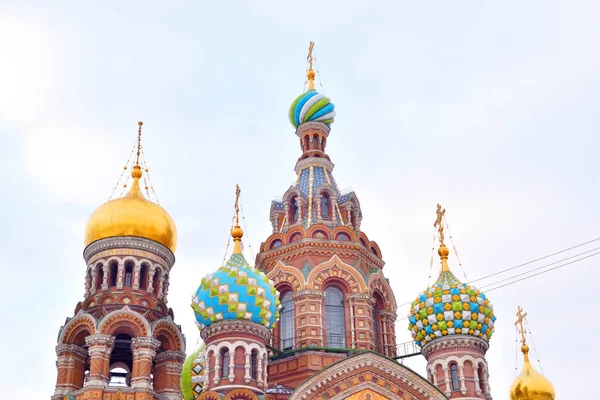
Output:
x=132 y=215
x=530 y=385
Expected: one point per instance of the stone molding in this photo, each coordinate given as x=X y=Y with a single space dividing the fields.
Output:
x=145 y=341
x=449 y=342
x=70 y=349
x=360 y=296
x=312 y=125
x=314 y=161
x=129 y=242
x=99 y=339
x=307 y=293
x=241 y=326
x=170 y=355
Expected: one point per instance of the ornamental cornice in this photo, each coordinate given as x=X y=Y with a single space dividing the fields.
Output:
x=128 y=245
x=64 y=349
x=171 y=356
x=306 y=126
x=147 y=341
x=409 y=379
x=360 y=296
x=315 y=162
x=241 y=326
x=388 y=314
x=447 y=342
x=308 y=293
x=100 y=339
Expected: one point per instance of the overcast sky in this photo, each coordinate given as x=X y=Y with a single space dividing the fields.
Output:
x=490 y=108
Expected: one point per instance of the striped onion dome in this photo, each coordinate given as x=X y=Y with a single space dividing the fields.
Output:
x=312 y=106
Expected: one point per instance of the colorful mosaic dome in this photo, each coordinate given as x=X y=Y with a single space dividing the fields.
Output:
x=236 y=291
x=192 y=375
x=312 y=106
x=450 y=307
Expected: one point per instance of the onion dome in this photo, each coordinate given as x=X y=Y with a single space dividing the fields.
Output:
x=192 y=378
x=132 y=215
x=312 y=106
x=450 y=307
x=236 y=291
x=530 y=384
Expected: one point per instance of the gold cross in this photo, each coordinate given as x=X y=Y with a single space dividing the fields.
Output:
x=139 y=143
x=519 y=323
x=438 y=222
x=237 y=207
x=310 y=56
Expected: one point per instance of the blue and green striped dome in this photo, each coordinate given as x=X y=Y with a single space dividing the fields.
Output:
x=236 y=291
x=312 y=106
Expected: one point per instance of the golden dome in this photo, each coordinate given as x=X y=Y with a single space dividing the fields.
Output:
x=530 y=385
x=132 y=215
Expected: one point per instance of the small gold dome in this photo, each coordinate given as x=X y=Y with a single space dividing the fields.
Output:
x=132 y=215
x=530 y=385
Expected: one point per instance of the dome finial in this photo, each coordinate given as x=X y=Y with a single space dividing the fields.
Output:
x=237 y=232
x=519 y=325
x=136 y=172
x=443 y=250
x=310 y=74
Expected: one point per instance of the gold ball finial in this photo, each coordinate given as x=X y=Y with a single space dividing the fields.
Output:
x=237 y=232
x=137 y=172
x=443 y=251
x=525 y=349
x=140 y=123
x=311 y=74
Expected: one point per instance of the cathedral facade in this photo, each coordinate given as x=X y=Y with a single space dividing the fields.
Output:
x=315 y=318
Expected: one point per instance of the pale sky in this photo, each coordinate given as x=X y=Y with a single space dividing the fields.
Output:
x=490 y=108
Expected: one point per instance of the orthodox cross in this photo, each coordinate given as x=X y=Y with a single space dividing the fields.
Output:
x=139 y=143
x=519 y=323
x=438 y=222
x=236 y=206
x=309 y=57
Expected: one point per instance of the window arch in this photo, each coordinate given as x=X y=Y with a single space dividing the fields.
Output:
x=114 y=269
x=143 y=276
x=128 y=273
x=306 y=147
x=224 y=363
x=99 y=276
x=377 y=323
x=254 y=364
x=325 y=205
x=286 y=322
x=295 y=210
x=335 y=317
x=454 y=375
x=315 y=142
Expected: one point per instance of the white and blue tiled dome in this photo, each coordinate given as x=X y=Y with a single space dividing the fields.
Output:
x=450 y=307
x=312 y=106
x=236 y=291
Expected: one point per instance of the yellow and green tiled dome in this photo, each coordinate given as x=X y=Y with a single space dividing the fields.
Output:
x=192 y=375
x=450 y=307
x=236 y=291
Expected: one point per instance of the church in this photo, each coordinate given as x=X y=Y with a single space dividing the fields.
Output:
x=314 y=318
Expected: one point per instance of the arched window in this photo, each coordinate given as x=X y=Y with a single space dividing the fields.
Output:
x=128 y=273
x=454 y=373
x=143 y=276
x=306 y=148
x=481 y=373
x=99 y=276
x=155 y=281
x=335 y=318
x=121 y=362
x=325 y=206
x=286 y=322
x=315 y=142
x=295 y=209
x=114 y=268
x=376 y=330
x=254 y=364
x=224 y=363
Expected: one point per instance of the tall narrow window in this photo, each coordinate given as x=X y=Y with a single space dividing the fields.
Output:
x=99 y=276
x=454 y=373
x=481 y=374
x=143 y=276
x=335 y=318
x=325 y=206
x=114 y=268
x=254 y=364
x=376 y=330
x=315 y=142
x=128 y=273
x=286 y=322
x=306 y=148
x=224 y=363
x=295 y=210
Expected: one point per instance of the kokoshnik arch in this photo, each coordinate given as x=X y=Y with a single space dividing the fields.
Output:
x=315 y=319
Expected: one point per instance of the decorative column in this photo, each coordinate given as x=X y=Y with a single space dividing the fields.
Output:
x=105 y=270
x=476 y=379
x=357 y=219
x=334 y=208
x=319 y=213
x=71 y=368
x=136 y=276
x=99 y=348
x=120 y=274
x=90 y=282
x=247 y=377
x=461 y=376
x=299 y=204
x=286 y=218
x=388 y=319
x=349 y=215
x=166 y=291
x=448 y=390
x=151 y=272
x=363 y=334
x=168 y=366
x=161 y=281
x=144 y=351
x=309 y=323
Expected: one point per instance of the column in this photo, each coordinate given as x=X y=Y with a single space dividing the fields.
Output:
x=161 y=281
x=144 y=351
x=388 y=318
x=357 y=219
x=166 y=291
x=318 y=204
x=448 y=388
x=286 y=218
x=247 y=367
x=476 y=379
x=231 y=375
x=120 y=275
x=349 y=215
x=259 y=371
x=71 y=368
x=151 y=272
x=300 y=215
x=105 y=270
x=461 y=377
x=168 y=366
x=90 y=282
x=99 y=348
x=308 y=322
x=136 y=276
x=334 y=210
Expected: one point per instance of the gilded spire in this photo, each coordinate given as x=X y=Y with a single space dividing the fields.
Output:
x=310 y=74
x=237 y=232
x=136 y=172
x=443 y=250
x=519 y=325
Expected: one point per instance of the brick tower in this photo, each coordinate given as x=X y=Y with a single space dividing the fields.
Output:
x=122 y=337
x=335 y=298
x=453 y=323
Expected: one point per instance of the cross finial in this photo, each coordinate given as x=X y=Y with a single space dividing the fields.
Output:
x=519 y=323
x=438 y=223
x=310 y=74
x=139 y=143
x=237 y=204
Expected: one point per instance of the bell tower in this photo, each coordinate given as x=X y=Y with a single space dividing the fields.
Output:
x=122 y=336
